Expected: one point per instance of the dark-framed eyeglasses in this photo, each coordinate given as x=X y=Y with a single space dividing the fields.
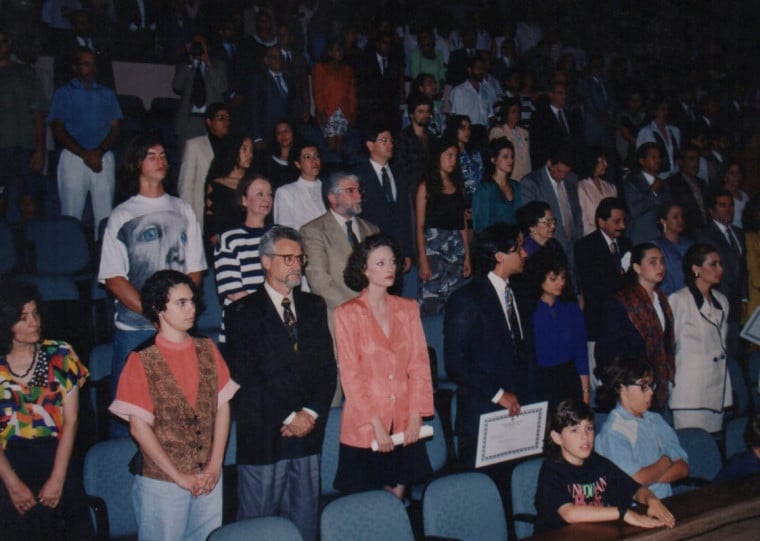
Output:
x=644 y=385
x=290 y=259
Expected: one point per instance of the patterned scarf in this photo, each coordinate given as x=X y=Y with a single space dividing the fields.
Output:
x=659 y=344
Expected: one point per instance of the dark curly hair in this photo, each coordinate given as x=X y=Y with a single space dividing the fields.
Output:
x=567 y=413
x=155 y=292
x=13 y=296
x=540 y=265
x=354 y=275
x=624 y=369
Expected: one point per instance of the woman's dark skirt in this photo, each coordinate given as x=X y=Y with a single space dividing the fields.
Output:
x=70 y=521
x=362 y=469
x=558 y=383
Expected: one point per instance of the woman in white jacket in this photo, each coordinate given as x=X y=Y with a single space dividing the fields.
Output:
x=702 y=387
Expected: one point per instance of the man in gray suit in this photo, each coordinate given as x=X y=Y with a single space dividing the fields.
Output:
x=330 y=239
x=556 y=184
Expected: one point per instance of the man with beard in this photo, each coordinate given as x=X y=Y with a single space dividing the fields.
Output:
x=330 y=239
x=281 y=354
x=413 y=142
x=473 y=99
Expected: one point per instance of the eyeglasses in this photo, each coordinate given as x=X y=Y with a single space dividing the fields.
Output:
x=548 y=221
x=290 y=259
x=384 y=140
x=222 y=117
x=644 y=386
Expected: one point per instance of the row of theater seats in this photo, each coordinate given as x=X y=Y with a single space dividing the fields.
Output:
x=454 y=505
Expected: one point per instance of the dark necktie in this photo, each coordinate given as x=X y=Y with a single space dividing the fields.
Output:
x=383 y=65
x=732 y=240
x=281 y=84
x=352 y=240
x=290 y=321
x=616 y=256
x=514 y=324
x=386 y=180
x=198 y=97
x=563 y=121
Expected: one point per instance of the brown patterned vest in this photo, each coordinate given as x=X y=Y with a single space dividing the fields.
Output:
x=184 y=432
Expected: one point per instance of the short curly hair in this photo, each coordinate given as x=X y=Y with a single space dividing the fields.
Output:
x=13 y=296
x=354 y=276
x=155 y=292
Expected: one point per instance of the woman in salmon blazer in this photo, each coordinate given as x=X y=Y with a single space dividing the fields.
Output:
x=385 y=374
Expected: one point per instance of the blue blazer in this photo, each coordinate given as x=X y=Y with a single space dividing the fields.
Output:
x=481 y=358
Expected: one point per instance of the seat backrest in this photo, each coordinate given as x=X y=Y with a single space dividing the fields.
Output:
x=753 y=368
x=376 y=515
x=735 y=436
x=330 y=450
x=436 y=446
x=100 y=363
x=433 y=327
x=7 y=249
x=230 y=455
x=738 y=387
x=210 y=320
x=703 y=453
x=106 y=475
x=523 y=485
x=464 y=506
x=262 y=528
x=59 y=245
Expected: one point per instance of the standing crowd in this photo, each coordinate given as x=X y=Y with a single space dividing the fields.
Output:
x=578 y=222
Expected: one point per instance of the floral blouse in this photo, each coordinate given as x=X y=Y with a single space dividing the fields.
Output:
x=35 y=409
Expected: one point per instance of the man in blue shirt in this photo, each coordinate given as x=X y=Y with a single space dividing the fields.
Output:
x=85 y=119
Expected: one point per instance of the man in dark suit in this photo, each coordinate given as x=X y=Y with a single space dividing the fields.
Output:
x=460 y=59
x=729 y=241
x=387 y=199
x=280 y=351
x=598 y=258
x=296 y=70
x=690 y=191
x=644 y=193
x=228 y=47
x=138 y=20
x=380 y=85
x=271 y=98
x=556 y=184
x=488 y=338
x=551 y=127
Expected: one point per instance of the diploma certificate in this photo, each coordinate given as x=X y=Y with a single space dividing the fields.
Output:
x=502 y=437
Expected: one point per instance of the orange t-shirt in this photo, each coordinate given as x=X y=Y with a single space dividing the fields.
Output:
x=133 y=396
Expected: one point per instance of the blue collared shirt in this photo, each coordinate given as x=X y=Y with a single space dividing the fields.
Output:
x=633 y=443
x=86 y=113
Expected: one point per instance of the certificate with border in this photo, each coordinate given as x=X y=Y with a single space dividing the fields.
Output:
x=503 y=437
x=751 y=329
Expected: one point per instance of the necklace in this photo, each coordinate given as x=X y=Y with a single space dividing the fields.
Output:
x=34 y=361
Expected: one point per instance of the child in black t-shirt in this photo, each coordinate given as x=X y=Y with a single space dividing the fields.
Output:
x=578 y=485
